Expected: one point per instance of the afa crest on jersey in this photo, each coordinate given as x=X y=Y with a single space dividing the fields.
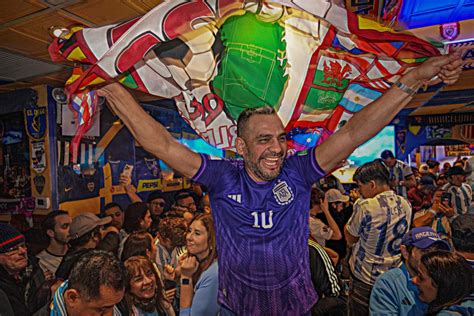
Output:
x=282 y=193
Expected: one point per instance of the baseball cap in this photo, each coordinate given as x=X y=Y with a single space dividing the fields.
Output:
x=334 y=195
x=387 y=154
x=428 y=182
x=455 y=171
x=84 y=223
x=422 y=238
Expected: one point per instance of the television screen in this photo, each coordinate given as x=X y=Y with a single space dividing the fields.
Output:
x=368 y=151
x=372 y=149
x=198 y=145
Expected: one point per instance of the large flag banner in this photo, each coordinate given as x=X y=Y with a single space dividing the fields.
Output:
x=313 y=61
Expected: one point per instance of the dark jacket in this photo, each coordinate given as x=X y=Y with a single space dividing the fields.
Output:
x=68 y=262
x=22 y=292
x=109 y=243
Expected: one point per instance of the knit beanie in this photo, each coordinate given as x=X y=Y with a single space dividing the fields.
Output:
x=9 y=237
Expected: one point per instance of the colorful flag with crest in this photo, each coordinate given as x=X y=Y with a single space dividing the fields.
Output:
x=313 y=61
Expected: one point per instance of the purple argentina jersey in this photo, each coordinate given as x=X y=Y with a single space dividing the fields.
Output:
x=262 y=231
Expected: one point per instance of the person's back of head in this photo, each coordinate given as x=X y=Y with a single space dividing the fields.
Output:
x=462 y=228
x=137 y=244
x=96 y=282
x=432 y=163
x=372 y=171
x=173 y=229
x=134 y=215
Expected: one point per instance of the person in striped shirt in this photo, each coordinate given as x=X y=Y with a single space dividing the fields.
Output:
x=401 y=175
x=460 y=191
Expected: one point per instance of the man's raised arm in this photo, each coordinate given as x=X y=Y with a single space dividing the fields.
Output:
x=366 y=123
x=149 y=133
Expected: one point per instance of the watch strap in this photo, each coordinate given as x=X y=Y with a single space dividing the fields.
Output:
x=405 y=88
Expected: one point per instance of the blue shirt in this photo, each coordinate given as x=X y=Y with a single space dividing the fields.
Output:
x=262 y=230
x=395 y=294
x=205 y=294
x=464 y=308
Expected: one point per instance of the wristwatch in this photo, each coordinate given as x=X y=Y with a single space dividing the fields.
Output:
x=405 y=88
x=185 y=281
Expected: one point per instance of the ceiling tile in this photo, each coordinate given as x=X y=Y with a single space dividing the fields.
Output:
x=22 y=43
x=11 y=10
x=103 y=12
x=39 y=26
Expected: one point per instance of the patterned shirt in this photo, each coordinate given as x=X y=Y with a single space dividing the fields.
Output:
x=461 y=197
x=380 y=223
x=400 y=172
x=262 y=233
x=319 y=231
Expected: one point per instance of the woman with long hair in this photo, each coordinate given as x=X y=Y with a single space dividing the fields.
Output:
x=144 y=293
x=139 y=244
x=445 y=281
x=198 y=269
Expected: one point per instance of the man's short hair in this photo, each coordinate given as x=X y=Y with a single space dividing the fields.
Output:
x=387 y=154
x=462 y=228
x=96 y=268
x=174 y=229
x=182 y=195
x=246 y=114
x=432 y=163
x=374 y=170
x=156 y=195
x=49 y=222
x=111 y=205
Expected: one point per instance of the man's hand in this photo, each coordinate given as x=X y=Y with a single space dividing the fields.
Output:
x=447 y=68
x=446 y=210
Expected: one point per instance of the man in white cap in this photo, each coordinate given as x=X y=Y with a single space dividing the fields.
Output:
x=86 y=232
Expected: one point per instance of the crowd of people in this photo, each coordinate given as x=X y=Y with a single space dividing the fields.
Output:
x=267 y=235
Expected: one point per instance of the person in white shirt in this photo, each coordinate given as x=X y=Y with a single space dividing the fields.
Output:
x=379 y=221
x=56 y=226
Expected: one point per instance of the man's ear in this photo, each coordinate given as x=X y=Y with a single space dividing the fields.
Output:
x=240 y=145
x=372 y=184
x=50 y=233
x=71 y=297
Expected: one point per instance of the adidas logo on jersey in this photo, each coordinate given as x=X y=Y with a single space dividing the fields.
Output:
x=236 y=197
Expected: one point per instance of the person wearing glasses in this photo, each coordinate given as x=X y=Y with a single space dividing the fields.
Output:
x=157 y=205
x=20 y=274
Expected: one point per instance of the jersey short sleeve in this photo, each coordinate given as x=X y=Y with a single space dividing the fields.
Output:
x=354 y=223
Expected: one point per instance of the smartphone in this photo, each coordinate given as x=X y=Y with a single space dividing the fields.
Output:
x=169 y=284
x=446 y=199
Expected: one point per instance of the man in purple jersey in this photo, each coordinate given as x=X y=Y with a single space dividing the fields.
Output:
x=260 y=205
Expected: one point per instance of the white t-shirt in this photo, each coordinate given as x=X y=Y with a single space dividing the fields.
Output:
x=319 y=231
x=48 y=261
x=380 y=223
